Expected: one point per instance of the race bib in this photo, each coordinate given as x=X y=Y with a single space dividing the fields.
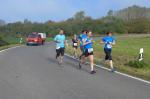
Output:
x=109 y=46
x=90 y=50
x=75 y=44
x=84 y=40
x=57 y=47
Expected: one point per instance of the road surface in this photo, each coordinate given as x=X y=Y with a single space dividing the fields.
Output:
x=33 y=73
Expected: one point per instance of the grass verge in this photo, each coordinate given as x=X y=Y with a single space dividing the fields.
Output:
x=49 y=39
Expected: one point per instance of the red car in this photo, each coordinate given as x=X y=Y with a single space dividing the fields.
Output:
x=34 y=39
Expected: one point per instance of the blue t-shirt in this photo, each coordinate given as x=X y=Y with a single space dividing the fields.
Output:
x=107 y=40
x=60 y=39
x=89 y=45
x=81 y=37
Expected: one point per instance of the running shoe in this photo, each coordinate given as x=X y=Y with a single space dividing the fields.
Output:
x=93 y=72
x=80 y=66
x=113 y=70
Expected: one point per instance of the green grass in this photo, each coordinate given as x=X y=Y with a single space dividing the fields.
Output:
x=49 y=39
x=12 y=40
x=126 y=50
x=9 y=41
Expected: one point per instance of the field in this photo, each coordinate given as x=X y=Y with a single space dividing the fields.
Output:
x=126 y=49
x=49 y=39
x=13 y=40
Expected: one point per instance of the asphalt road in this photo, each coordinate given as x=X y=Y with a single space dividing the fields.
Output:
x=33 y=73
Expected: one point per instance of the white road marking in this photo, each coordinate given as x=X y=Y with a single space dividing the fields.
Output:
x=9 y=49
x=117 y=72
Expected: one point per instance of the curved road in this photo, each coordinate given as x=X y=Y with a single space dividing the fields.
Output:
x=33 y=73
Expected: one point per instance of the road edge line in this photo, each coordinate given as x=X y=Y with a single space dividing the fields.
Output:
x=4 y=50
x=117 y=72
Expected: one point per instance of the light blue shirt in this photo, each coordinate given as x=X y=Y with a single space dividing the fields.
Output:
x=60 y=39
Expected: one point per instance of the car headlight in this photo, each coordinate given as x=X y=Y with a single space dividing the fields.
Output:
x=35 y=40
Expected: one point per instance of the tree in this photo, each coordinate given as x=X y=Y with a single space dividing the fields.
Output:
x=133 y=12
x=49 y=22
x=88 y=18
x=79 y=15
x=26 y=21
x=110 y=13
x=70 y=19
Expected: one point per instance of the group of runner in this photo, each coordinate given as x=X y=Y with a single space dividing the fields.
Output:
x=85 y=42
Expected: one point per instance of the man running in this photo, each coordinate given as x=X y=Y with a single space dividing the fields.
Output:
x=60 y=46
x=80 y=41
x=108 y=42
x=88 y=46
x=75 y=45
x=81 y=37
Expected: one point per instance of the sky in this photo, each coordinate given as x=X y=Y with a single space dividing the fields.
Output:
x=59 y=10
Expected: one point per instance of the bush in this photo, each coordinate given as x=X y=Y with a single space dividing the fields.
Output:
x=2 y=43
x=137 y=64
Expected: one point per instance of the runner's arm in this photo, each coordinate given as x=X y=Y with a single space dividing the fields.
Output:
x=85 y=43
x=66 y=43
x=113 y=43
x=102 y=42
x=78 y=42
x=55 y=39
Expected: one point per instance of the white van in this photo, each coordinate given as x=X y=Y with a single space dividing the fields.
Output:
x=43 y=36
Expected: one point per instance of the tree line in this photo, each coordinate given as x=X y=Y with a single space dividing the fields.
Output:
x=134 y=19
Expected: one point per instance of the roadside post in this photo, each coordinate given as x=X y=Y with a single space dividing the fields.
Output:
x=21 y=40
x=141 y=54
x=19 y=36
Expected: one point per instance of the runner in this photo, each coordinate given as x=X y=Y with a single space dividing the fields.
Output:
x=81 y=36
x=80 y=41
x=88 y=46
x=60 y=46
x=75 y=46
x=108 y=42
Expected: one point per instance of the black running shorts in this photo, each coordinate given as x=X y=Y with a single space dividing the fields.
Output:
x=88 y=53
x=60 y=51
x=108 y=54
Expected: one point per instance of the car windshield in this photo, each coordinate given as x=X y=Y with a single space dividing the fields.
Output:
x=33 y=36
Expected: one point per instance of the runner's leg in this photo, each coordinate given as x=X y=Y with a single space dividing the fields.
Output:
x=106 y=54
x=62 y=54
x=91 y=59
x=57 y=53
x=76 y=52
x=110 y=58
x=91 y=62
x=111 y=62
